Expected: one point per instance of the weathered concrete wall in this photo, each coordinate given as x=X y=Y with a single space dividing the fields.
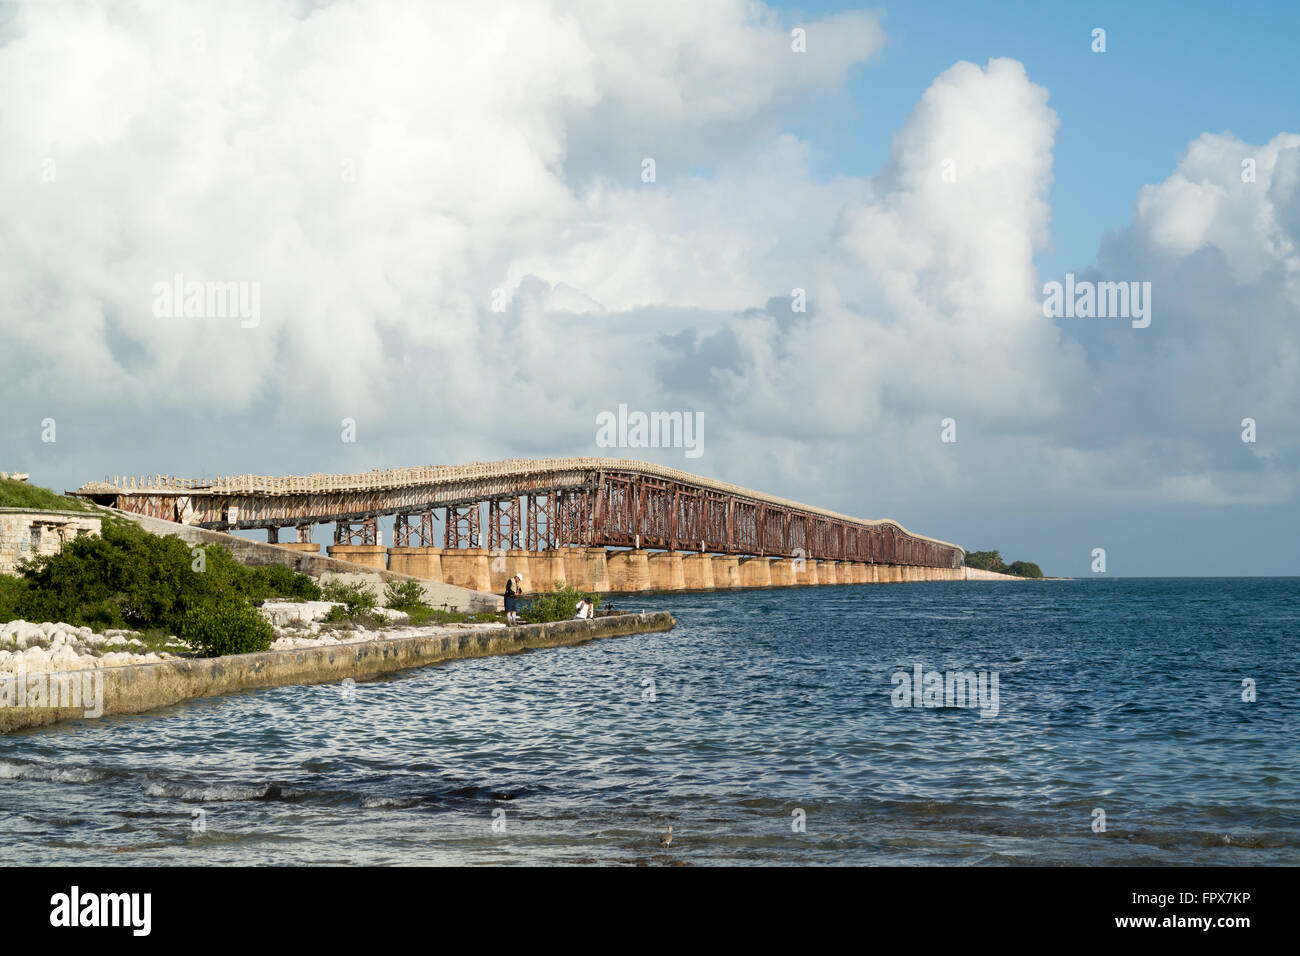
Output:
x=26 y=534
x=697 y=572
x=550 y=568
x=371 y=555
x=629 y=571
x=667 y=573
x=755 y=572
x=423 y=563
x=138 y=688
x=726 y=571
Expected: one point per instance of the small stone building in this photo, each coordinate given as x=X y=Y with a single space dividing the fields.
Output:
x=27 y=533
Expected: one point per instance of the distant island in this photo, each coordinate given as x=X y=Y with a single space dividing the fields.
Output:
x=992 y=561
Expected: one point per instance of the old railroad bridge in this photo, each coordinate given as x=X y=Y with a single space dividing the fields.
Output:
x=598 y=523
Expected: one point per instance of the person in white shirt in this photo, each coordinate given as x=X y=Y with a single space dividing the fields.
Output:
x=584 y=610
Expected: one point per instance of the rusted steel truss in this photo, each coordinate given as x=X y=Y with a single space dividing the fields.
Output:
x=573 y=506
x=505 y=531
x=414 y=530
x=461 y=528
x=354 y=532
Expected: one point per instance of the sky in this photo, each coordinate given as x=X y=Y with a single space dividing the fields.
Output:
x=469 y=229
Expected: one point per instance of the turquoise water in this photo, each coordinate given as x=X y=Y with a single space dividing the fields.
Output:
x=766 y=708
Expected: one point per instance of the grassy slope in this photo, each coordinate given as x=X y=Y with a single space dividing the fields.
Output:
x=18 y=494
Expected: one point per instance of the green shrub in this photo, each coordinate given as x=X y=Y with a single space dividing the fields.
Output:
x=558 y=604
x=226 y=627
x=125 y=577
x=404 y=595
x=277 y=580
x=986 y=561
x=992 y=561
x=359 y=599
x=13 y=598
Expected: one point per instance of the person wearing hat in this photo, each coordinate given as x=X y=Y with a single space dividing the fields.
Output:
x=514 y=587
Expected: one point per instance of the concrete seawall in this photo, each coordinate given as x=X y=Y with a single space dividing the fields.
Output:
x=138 y=688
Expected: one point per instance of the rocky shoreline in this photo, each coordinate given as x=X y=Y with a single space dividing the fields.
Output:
x=52 y=647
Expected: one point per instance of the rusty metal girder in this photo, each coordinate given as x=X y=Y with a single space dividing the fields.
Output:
x=462 y=528
x=354 y=532
x=505 y=526
x=408 y=534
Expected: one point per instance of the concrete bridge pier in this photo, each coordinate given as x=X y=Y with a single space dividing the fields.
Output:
x=466 y=568
x=306 y=547
x=755 y=572
x=629 y=570
x=586 y=569
x=782 y=572
x=697 y=572
x=726 y=571
x=515 y=561
x=805 y=572
x=826 y=573
x=371 y=555
x=549 y=569
x=667 y=571
x=423 y=563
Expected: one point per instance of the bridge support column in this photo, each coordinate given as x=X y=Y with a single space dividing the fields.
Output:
x=826 y=573
x=418 y=562
x=726 y=571
x=857 y=572
x=805 y=572
x=629 y=570
x=272 y=535
x=371 y=555
x=697 y=572
x=306 y=547
x=516 y=561
x=755 y=572
x=466 y=568
x=587 y=570
x=667 y=572
x=782 y=572
x=549 y=569
x=575 y=567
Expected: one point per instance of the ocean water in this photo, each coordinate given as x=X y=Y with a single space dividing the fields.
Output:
x=763 y=729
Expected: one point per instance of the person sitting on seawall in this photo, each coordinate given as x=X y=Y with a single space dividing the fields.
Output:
x=585 y=611
x=514 y=587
